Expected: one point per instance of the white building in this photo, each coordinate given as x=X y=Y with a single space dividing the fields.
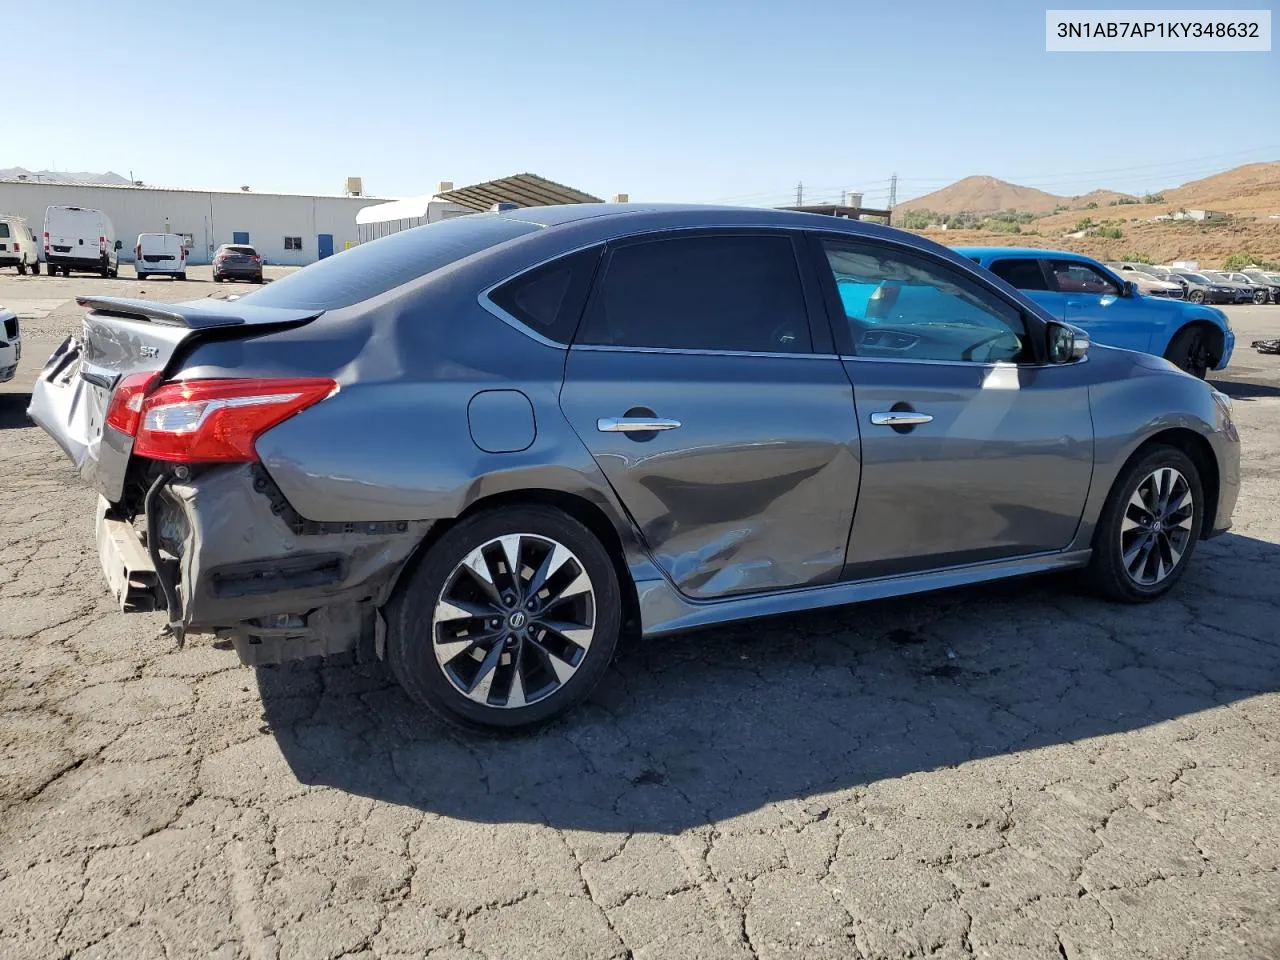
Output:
x=284 y=228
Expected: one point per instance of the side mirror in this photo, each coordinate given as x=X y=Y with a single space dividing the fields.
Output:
x=119 y=244
x=1130 y=289
x=1066 y=344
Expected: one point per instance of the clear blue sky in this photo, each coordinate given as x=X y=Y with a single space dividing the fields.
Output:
x=704 y=100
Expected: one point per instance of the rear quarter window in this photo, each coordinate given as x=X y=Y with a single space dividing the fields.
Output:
x=374 y=268
x=4 y=231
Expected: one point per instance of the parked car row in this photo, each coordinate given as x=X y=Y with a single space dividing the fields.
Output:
x=83 y=239
x=630 y=419
x=1253 y=285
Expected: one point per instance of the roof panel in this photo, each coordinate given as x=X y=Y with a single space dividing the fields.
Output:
x=524 y=189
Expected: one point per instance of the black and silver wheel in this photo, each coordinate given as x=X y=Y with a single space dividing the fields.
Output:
x=1148 y=528
x=1260 y=296
x=1189 y=351
x=509 y=619
x=1196 y=296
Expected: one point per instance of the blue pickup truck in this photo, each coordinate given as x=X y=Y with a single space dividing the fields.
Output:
x=1085 y=294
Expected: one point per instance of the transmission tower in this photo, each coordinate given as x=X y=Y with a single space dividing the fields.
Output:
x=893 y=191
x=800 y=194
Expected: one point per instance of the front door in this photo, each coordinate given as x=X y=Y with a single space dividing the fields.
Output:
x=324 y=245
x=729 y=439
x=971 y=449
x=1095 y=303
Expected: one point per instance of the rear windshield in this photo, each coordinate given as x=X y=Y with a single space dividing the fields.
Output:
x=373 y=268
x=238 y=249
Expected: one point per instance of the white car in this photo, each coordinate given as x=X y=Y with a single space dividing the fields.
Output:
x=164 y=253
x=80 y=238
x=18 y=245
x=10 y=344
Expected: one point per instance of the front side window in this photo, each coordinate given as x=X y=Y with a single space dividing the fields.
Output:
x=725 y=293
x=1075 y=277
x=1022 y=273
x=899 y=306
x=4 y=231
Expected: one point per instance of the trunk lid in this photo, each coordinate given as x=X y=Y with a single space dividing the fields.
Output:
x=70 y=398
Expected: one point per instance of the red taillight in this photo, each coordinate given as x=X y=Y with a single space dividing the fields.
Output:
x=16 y=246
x=200 y=421
x=46 y=239
x=102 y=243
x=137 y=252
x=124 y=413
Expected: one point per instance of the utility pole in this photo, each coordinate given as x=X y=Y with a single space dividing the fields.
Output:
x=844 y=196
x=800 y=194
x=893 y=191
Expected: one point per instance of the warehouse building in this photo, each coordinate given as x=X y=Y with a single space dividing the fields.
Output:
x=285 y=228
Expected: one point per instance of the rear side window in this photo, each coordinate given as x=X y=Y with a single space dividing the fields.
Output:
x=373 y=268
x=549 y=298
x=732 y=293
x=1021 y=273
x=4 y=231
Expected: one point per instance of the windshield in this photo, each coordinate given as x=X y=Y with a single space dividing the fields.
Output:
x=1195 y=277
x=375 y=267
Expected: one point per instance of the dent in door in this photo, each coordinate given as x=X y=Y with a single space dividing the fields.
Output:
x=755 y=489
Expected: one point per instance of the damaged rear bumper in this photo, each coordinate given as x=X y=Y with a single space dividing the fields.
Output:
x=240 y=563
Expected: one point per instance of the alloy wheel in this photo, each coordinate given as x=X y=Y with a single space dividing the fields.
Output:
x=1157 y=527
x=514 y=620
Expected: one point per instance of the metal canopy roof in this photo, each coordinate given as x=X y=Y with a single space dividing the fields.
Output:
x=524 y=189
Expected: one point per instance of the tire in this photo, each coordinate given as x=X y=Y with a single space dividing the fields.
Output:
x=1196 y=296
x=104 y=273
x=216 y=278
x=1189 y=351
x=1260 y=297
x=143 y=276
x=35 y=269
x=554 y=672
x=257 y=279
x=180 y=276
x=22 y=268
x=1108 y=572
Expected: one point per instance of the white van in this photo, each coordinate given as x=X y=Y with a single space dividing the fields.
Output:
x=18 y=245
x=160 y=253
x=80 y=238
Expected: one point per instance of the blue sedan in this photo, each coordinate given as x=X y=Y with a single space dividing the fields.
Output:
x=1082 y=292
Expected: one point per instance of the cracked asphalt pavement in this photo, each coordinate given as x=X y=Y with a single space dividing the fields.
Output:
x=1013 y=771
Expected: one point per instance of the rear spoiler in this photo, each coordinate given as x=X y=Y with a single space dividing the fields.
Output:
x=197 y=315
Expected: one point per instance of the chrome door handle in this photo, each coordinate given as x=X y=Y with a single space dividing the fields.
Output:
x=634 y=424
x=903 y=419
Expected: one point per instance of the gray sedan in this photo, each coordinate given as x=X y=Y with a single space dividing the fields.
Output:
x=487 y=449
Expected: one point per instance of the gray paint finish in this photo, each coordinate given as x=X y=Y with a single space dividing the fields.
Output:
x=775 y=493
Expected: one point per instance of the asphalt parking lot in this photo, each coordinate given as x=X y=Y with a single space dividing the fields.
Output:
x=1014 y=771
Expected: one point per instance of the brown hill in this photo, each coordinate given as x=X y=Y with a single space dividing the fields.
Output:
x=1251 y=189
x=984 y=195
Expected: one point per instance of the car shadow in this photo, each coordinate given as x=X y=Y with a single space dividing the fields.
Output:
x=692 y=729
x=1241 y=390
x=13 y=410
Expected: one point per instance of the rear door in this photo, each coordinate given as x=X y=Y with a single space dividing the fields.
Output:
x=719 y=415
x=972 y=450
x=1030 y=275
x=73 y=233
